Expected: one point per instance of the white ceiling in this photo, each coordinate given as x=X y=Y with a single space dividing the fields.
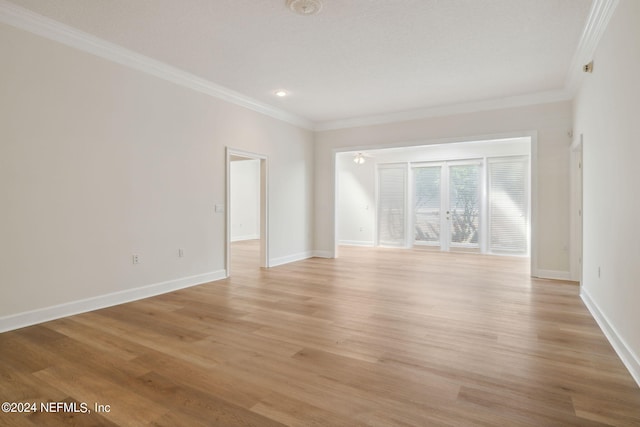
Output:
x=356 y=58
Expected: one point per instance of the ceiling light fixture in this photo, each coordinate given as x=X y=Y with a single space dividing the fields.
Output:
x=281 y=93
x=305 y=7
x=358 y=159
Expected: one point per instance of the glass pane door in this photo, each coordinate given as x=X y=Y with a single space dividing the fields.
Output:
x=464 y=205
x=427 y=204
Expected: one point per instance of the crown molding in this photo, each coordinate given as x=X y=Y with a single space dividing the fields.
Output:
x=597 y=21
x=448 y=110
x=16 y=16
x=27 y=20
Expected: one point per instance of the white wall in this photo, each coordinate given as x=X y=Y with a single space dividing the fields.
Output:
x=99 y=161
x=245 y=199
x=550 y=122
x=356 y=209
x=606 y=114
x=356 y=201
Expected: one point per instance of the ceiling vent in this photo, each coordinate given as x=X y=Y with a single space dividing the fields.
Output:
x=305 y=7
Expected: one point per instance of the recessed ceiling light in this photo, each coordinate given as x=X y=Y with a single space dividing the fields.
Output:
x=281 y=93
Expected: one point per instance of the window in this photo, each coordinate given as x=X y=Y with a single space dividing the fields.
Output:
x=391 y=205
x=508 y=205
x=426 y=213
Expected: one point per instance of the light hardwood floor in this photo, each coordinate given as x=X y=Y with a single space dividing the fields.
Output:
x=378 y=337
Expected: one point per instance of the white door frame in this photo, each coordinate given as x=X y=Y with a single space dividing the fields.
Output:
x=264 y=206
x=576 y=217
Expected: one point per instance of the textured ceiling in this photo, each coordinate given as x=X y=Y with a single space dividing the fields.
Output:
x=357 y=57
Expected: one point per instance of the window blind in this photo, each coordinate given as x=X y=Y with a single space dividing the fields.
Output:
x=391 y=205
x=426 y=196
x=508 y=205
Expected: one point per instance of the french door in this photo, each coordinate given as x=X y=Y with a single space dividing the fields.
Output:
x=447 y=204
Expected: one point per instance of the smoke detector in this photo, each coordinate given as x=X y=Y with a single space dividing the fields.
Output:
x=305 y=7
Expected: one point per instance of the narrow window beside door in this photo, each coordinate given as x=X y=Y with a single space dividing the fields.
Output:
x=508 y=205
x=391 y=205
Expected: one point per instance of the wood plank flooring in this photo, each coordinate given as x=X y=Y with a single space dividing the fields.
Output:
x=377 y=337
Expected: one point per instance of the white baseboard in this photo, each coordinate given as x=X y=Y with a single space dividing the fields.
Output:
x=552 y=274
x=28 y=318
x=274 y=262
x=356 y=243
x=323 y=254
x=242 y=238
x=631 y=361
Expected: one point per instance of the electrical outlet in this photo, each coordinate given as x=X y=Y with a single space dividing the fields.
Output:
x=135 y=258
x=180 y=252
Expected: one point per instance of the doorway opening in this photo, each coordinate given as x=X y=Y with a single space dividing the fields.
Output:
x=576 y=209
x=473 y=196
x=247 y=213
